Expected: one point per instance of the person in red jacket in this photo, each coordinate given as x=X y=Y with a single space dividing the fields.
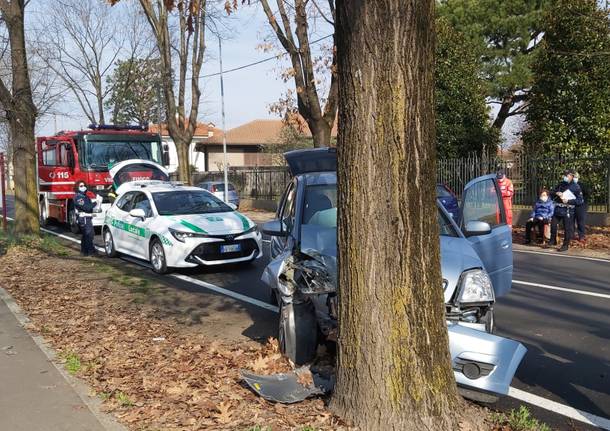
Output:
x=507 y=189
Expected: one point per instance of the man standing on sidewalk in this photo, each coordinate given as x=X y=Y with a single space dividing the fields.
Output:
x=567 y=195
x=507 y=189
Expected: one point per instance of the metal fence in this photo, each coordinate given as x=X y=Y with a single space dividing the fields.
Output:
x=529 y=176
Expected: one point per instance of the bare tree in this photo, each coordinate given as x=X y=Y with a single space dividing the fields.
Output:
x=17 y=102
x=81 y=41
x=318 y=111
x=187 y=55
x=393 y=367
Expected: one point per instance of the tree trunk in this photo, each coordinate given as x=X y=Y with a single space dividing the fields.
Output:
x=320 y=132
x=21 y=115
x=504 y=112
x=184 y=166
x=393 y=362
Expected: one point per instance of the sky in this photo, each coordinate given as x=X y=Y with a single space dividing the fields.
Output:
x=248 y=92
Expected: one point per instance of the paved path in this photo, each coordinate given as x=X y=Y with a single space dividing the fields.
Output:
x=33 y=393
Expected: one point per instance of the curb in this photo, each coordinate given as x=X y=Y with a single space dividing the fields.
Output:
x=584 y=254
x=82 y=390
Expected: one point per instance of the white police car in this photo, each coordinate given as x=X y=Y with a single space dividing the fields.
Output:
x=172 y=225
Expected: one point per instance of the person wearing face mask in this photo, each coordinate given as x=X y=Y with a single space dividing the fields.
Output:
x=566 y=196
x=540 y=216
x=85 y=207
x=580 y=212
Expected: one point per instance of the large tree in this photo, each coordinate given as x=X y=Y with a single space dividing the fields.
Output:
x=462 y=116
x=506 y=34
x=394 y=370
x=318 y=110
x=183 y=45
x=17 y=102
x=569 y=113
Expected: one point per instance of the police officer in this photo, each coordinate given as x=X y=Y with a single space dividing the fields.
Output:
x=85 y=207
x=565 y=208
x=581 y=210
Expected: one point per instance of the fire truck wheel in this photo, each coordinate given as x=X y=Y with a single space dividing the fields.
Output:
x=44 y=217
x=109 y=244
x=73 y=220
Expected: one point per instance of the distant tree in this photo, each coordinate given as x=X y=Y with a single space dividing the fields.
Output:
x=462 y=117
x=135 y=91
x=569 y=103
x=18 y=104
x=318 y=108
x=505 y=34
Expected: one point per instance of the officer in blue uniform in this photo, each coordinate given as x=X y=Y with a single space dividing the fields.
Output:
x=581 y=210
x=85 y=207
x=565 y=208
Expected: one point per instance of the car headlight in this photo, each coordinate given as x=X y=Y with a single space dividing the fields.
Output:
x=475 y=286
x=252 y=229
x=182 y=236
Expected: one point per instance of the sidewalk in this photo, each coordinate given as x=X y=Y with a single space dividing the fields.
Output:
x=33 y=393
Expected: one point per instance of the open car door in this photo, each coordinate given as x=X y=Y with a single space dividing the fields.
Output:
x=482 y=202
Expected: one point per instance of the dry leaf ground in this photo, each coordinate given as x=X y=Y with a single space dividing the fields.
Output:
x=161 y=357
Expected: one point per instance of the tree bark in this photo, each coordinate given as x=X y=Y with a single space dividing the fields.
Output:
x=320 y=132
x=21 y=115
x=393 y=362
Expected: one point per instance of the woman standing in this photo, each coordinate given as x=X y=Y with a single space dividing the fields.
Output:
x=85 y=206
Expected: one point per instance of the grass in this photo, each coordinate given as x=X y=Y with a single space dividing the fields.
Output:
x=519 y=420
x=72 y=363
x=46 y=243
x=123 y=399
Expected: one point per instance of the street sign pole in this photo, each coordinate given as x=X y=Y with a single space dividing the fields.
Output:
x=3 y=192
x=224 y=129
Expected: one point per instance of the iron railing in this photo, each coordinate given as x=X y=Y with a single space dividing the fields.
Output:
x=529 y=175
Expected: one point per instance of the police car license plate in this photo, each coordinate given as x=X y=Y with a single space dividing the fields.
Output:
x=231 y=248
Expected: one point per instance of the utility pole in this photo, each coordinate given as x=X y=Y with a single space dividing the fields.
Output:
x=224 y=129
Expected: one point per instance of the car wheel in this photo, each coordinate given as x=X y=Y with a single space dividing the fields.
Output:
x=298 y=332
x=109 y=243
x=157 y=257
x=44 y=217
x=73 y=220
x=489 y=321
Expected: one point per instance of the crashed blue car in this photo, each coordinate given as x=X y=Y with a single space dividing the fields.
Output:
x=476 y=261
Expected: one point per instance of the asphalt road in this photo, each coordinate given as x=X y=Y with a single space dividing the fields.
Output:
x=567 y=334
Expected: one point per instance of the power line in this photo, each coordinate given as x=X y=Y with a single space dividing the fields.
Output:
x=256 y=63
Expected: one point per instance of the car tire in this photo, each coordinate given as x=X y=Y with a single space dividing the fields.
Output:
x=298 y=332
x=109 y=243
x=489 y=320
x=73 y=219
x=42 y=212
x=157 y=257
x=273 y=300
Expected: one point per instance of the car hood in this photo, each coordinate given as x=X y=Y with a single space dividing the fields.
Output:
x=457 y=255
x=213 y=223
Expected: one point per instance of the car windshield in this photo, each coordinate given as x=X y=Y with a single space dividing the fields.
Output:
x=220 y=187
x=188 y=202
x=99 y=155
x=319 y=221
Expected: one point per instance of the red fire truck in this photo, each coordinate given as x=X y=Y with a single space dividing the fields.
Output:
x=86 y=155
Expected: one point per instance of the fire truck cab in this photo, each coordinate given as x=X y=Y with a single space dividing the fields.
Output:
x=86 y=155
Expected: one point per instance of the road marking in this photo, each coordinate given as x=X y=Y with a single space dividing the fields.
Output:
x=266 y=240
x=226 y=292
x=535 y=400
x=563 y=289
x=559 y=408
x=595 y=259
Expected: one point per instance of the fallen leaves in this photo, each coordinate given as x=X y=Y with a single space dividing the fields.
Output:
x=150 y=371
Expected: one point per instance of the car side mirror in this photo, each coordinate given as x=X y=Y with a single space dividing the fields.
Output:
x=476 y=228
x=138 y=213
x=232 y=205
x=274 y=228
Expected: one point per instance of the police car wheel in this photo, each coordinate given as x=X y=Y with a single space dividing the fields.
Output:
x=109 y=244
x=157 y=257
